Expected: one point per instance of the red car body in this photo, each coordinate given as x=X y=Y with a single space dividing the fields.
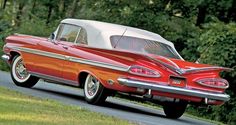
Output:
x=122 y=71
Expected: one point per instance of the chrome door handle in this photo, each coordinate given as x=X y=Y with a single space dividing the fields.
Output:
x=65 y=47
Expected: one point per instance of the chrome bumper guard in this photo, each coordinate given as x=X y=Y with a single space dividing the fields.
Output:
x=5 y=57
x=174 y=90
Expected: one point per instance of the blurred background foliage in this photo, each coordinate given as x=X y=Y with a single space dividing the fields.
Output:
x=203 y=30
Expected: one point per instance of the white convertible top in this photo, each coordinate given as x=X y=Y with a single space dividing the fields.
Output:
x=99 y=33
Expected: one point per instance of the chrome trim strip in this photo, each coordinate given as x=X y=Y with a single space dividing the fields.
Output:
x=53 y=78
x=205 y=69
x=99 y=64
x=175 y=69
x=174 y=90
x=185 y=71
x=42 y=53
x=72 y=59
x=170 y=61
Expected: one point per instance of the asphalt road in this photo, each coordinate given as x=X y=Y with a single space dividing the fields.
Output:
x=113 y=107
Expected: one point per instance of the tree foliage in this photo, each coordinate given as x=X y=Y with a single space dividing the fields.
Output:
x=202 y=30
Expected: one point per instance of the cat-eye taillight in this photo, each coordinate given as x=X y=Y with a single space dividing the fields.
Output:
x=143 y=71
x=214 y=82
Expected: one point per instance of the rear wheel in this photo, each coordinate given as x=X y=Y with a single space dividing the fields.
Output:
x=174 y=110
x=19 y=74
x=94 y=91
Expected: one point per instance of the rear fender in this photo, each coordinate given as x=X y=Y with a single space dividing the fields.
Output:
x=91 y=73
x=13 y=54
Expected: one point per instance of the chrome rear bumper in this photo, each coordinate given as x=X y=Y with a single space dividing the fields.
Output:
x=174 y=90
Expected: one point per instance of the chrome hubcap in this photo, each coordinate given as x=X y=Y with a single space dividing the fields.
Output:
x=92 y=86
x=20 y=70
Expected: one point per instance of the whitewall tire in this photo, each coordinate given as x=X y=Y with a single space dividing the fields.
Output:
x=19 y=73
x=94 y=91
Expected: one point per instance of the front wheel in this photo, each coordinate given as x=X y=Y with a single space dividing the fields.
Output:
x=94 y=91
x=19 y=74
x=174 y=110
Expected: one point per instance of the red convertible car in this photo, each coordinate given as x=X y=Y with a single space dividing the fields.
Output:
x=104 y=58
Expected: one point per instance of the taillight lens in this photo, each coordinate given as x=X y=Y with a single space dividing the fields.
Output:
x=214 y=82
x=143 y=71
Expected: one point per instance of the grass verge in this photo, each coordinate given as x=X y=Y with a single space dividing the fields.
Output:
x=19 y=109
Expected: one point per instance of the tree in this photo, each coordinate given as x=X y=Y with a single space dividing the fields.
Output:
x=4 y=4
x=50 y=5
x=72 y=9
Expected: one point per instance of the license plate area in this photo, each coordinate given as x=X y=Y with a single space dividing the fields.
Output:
x=177 y=81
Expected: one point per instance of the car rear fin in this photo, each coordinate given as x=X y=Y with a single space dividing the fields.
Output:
x=194 y=70
x=173 y=68
x=186 y=71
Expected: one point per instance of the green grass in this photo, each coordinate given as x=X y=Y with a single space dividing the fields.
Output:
x=19 y=109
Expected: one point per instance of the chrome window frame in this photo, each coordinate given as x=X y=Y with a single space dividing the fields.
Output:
x=77 y=35
x=78 y=43
x=57 y=32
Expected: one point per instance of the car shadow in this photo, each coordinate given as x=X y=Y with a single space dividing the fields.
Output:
x=125 y=108
x=107 y=104
x=117 y=106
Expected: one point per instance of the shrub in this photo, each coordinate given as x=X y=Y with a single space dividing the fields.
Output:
x=216 y=45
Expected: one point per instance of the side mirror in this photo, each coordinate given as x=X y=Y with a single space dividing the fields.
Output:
x=197 y=61
x=51 y=38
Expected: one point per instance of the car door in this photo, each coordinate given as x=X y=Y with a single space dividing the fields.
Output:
x=50 y=60
x=52 y=57
x=68 y=37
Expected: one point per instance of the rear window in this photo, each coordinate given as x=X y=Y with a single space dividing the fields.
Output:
x=143 y=46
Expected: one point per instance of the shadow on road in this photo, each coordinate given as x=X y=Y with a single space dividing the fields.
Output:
x=117 y=106
x=107 y=104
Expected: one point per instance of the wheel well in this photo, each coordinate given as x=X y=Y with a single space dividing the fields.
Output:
x=82 y=78
x=13 y=54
